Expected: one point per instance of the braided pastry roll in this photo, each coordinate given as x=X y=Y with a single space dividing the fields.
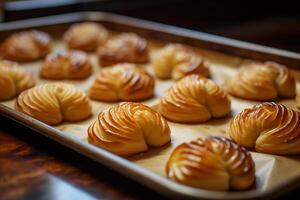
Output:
x=124 y=47
x=13 y=80
x=66 y=65
x=86 y=36
x=194 y=99
x=26 y=46
x=214 y=163
x=129 y=128
x=122 y=82
x=263 y=82
x=54 y=103
x=176 y=61
x=269 y=128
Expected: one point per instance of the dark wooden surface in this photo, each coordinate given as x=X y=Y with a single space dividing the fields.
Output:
x=36 y=168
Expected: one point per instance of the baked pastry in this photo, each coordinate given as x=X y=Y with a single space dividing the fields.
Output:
x=194 y=99
x=13 y=80
x=124 y=47
x=66 y=65
x=54 y=103
x=129 y=128
x=214 y=163
x=263 y=82
x=26 y=46
x=269 y=128
x=122 y=82
x=176 y=61
x=86 y=36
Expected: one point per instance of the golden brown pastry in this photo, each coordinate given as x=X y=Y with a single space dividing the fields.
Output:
x=214 y=163
x=269 y=128
x=124 y=47
x=13 y=80
x=54 y=103
x=86 y=36
x=263 y=82
x=66 y=65
x=122 y=82
x=176 y=61
x=194 y=99
x=129 y=128
x=26 y=46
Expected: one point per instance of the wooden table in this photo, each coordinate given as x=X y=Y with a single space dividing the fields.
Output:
x=36 y=168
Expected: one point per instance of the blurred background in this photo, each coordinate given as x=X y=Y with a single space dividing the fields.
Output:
x=272 y=23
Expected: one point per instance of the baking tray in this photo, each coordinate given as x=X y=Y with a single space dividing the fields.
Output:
x=137 y=167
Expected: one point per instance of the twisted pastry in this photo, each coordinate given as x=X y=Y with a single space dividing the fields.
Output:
x=129 y=128
x=86 y=36
x=125 y=47
x=13 y=80
x=214 y=163
x=263 y=82
x=53 y=103
x=26 y=46
x=176 y=61
x=125 y=82
x=67 y=65
x=194 y=99
x=269 y=128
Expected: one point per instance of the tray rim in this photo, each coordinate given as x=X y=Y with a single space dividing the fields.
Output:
x=129 y=169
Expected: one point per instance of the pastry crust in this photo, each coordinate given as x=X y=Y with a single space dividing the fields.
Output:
x=176 y=61
x=54 y=103
x=86 y=36
x=26 y=46
x=269 y=128
x=194 y=99
x=214 y=163
x=263 y=82
x=66 y=65
x=129 y=128
x=122 y=82
x=124 y=47
x=13 y=80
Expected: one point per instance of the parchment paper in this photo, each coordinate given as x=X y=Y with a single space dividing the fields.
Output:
x=270 y=169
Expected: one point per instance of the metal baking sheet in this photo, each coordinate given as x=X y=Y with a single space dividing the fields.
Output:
x=148 y=168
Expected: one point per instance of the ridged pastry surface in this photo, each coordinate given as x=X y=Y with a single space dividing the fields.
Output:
x=194 y=99
x=122 y=82
x=129 y=128
x=66 y=65
x=214 y=163
x=269 y=128
x=86 y=36
x=26 y=46
x=13 y=80
x=263 y=82
x=124 y=47
x=176 y=61
x=54 y=103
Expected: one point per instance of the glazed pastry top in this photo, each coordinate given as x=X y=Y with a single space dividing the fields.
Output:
x=269 y=128
x=194 y=99
x=214 y=163
x=176 y=61
x=26 y=46
x=263 y=82
x=129 y=128
x=66 y=65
